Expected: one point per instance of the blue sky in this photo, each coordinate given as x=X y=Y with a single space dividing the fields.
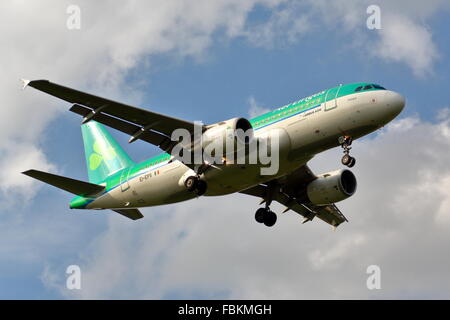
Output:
x=221 y=56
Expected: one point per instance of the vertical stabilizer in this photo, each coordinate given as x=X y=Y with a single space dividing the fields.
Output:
x=104 y=156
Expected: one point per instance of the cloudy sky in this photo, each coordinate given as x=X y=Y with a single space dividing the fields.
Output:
x=214 y=60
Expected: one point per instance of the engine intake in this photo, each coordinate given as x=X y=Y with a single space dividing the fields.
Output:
x=238 y=132
x=331 y=187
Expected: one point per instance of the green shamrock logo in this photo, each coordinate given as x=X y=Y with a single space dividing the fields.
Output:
x=101 y=153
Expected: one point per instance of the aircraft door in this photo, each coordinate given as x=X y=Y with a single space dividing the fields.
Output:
x=331 y=96
x=124 y=184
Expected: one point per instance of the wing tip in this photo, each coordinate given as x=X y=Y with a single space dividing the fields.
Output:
x=30 y=83
x=28 y=172
x=25 y=83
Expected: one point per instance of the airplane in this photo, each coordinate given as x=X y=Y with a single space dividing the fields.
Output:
x=330 y=118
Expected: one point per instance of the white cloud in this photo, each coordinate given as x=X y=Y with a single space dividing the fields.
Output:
x=285 y=26
x=405 y=36
x=212 y=247
x=52 y=279
x=15 y=159
x=255 y=108
x=404 y=40
x=333 y=256
x=443 y=114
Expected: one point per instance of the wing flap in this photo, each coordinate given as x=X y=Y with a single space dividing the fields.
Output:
x=331 y=215
x=133 y=214
x=151 y=137
x=77 y=187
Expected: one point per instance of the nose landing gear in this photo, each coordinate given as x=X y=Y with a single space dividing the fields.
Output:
x=346 y=142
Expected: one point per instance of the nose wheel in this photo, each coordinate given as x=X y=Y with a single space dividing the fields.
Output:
x=266 y=216
x=346 y=142
x=348 y=160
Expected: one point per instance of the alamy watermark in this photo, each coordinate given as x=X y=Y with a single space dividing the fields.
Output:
x=73 y=281
x=74 y=19
x=222 y=145
x=373 y=22
x=374 y=280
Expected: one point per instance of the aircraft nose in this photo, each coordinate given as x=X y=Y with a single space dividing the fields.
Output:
x=395 y=102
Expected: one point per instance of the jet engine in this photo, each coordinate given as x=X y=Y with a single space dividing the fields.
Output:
x=331 y=187
x=230 y=135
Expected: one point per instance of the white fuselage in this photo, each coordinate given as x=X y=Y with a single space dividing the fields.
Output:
x=302 y=136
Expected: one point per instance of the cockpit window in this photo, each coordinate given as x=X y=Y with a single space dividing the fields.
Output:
x=369 y=87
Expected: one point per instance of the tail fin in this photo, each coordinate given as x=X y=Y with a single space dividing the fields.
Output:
x=104 y=156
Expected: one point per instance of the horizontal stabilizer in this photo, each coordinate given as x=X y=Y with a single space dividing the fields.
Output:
x=133 y=214
x=77 y=187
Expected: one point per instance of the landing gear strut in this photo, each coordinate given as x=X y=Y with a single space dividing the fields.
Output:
x=194 y=184
x=266 y=216
x=346 y=142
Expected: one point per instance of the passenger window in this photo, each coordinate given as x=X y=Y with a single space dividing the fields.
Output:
x=358 y=89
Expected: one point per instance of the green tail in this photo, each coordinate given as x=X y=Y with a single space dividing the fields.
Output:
x=104 y=156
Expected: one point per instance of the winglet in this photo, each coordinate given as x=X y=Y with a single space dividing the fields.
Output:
x=25 y=83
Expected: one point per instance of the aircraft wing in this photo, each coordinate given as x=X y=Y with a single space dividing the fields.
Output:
x=152 y=127
x=290 y=191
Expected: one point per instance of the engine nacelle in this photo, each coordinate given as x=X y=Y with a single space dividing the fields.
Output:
x=231 y=135
x=331 y=187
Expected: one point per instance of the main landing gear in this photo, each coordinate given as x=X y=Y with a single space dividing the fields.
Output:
x=346 y=142
x=266 y=216
x=194 y=184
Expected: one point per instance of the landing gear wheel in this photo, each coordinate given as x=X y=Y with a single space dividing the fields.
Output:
x=259 y=215
x=270 y=218
x=352 y=162
x=194 y=184
x=201 y=187
x=346 y=159
x=191 y=183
